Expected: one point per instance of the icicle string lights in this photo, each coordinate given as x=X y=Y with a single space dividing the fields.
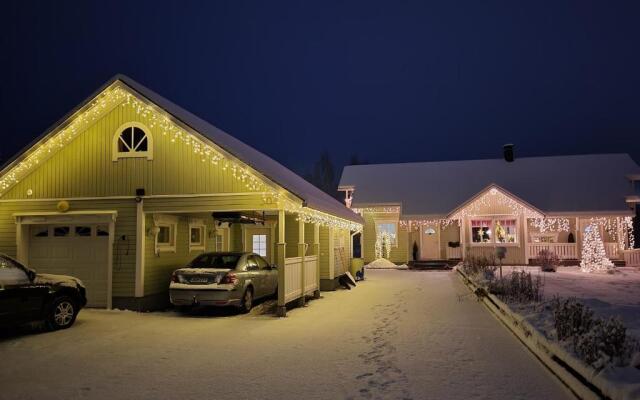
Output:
x=116 y=95
x=551 y=224
x=495 y=197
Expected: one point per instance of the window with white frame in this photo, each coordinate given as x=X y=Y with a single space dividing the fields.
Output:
x=259 y=245
x=166 y=231
x=132 y=140
x=485 y=230
x=196 y=236
x=219 y=241
x=389 y=227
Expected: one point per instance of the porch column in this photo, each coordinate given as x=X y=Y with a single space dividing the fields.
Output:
x=302 y=246
x=280 y=262
x=526 y=239
x=316 y=251
x=463 y=240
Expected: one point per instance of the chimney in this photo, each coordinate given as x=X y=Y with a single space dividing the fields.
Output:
x=508 y=152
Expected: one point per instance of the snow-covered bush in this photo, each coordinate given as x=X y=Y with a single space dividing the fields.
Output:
x=480 y=268
x=606 y=343
x=598 y=342
x=520 y=287
x=572 y=319
x=548 y=260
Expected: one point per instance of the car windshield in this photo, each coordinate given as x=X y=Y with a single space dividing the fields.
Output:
x=213 y=260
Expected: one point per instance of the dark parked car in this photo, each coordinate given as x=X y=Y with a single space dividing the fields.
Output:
x=26 y=296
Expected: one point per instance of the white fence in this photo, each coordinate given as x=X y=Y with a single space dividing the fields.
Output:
x=564 y=251
x=632 y=257
x=612 y=250
x=293 y=277
x=454 y=252
x=310 y=274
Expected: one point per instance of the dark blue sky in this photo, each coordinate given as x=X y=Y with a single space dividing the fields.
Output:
x=392 y=81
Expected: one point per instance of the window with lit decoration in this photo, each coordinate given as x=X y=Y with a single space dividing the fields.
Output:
x=494 y=231
x=132 y=140
x=481 y=231
x=389 y=227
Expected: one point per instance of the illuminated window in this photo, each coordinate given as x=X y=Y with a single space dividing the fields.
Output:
x=260 y=245
x=389 y=227
x=506 y=231
x=132 y=140
x=219 y=242
x=481 y=231
x=494 y=231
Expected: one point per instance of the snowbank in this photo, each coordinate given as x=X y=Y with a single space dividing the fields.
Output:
x=383 y=263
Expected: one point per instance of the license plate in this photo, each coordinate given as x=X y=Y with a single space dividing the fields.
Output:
x=199 y=280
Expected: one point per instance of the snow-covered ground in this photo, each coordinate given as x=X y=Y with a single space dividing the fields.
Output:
x=616 y=294
x=397 y=335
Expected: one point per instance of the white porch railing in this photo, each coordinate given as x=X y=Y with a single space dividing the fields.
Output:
x=631 y=257
x=310 y=274
x=454 y=252
x=564 y=251
x=612 y=249
x=292 y=278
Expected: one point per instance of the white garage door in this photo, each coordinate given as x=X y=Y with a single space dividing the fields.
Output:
x=78 y=250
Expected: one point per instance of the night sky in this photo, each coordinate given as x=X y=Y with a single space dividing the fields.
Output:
x=390 y=81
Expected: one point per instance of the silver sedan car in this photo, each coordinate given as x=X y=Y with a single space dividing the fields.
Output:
x=221 y=279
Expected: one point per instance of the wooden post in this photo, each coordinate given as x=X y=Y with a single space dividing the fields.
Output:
x=525 y=240
x=463 y=240
x=280 y=261
x=316 y=251
x=332 y=259
x=301 y=250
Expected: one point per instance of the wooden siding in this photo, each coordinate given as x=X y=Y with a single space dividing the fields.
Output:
x=158 y=267
x=450 y=233
x=85 y=168
x=124 y=244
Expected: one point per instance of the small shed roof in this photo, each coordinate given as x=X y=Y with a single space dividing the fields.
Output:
x=577 y=183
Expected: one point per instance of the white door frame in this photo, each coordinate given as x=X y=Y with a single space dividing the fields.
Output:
x=71 y=217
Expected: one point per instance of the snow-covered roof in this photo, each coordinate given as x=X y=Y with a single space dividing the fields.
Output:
x=313 y=197
x=577 y=183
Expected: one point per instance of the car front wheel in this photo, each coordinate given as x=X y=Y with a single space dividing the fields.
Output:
x=247 y=301
x=63 y=313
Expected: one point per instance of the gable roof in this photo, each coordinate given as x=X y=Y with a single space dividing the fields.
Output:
x=312 y=197
x=578 y=183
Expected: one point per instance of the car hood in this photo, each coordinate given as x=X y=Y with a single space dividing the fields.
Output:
x=61 y=280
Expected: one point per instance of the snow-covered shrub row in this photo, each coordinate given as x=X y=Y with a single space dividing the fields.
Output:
x=597 y=341
x=520 y=287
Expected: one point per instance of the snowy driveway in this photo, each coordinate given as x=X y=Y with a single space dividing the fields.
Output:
x=399 y=335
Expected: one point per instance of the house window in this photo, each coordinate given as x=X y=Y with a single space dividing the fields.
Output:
x=551 y=237
x=165 y=228
x=219 y=242
x=83 y=231
x=506 y=231
x=481 y=231
x=494 y=231
x=260 y=245
x=389 y=227
x=196 y=237
x=132 y=140
x=61 y=231
x=165 y=240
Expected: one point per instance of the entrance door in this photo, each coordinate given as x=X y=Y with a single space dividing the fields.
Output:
x=79 y=250
x=430 y=249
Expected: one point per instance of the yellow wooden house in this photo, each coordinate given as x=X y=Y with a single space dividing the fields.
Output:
x=127 y=186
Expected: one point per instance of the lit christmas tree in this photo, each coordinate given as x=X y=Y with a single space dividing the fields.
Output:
x=594 y=256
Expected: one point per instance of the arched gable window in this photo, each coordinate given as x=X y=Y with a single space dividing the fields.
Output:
x=132 y=140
